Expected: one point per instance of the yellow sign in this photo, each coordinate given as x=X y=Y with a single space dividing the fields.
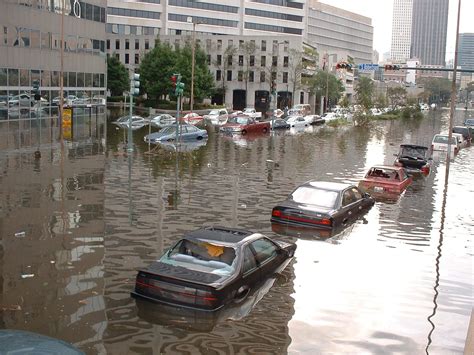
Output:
x=67 y=117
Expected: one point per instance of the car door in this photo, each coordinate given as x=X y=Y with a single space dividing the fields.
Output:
x=250 y=273
x=267 y=256
x=350 y=206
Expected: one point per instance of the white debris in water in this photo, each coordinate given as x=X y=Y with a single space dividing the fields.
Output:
x=26 y=276
x=20 y=234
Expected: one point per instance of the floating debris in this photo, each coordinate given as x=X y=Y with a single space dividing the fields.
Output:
x=26 y=276
x=20 y=234
x=10 y=307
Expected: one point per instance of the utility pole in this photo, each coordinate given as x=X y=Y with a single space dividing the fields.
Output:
x=191 y=104
x=134 y=91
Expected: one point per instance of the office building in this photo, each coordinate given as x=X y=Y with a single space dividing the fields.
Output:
x=30 y=50
x=401 y=30
x=466 y=51
x=429 y=31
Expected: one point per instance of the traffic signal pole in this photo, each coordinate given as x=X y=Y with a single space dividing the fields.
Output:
x=134 y=90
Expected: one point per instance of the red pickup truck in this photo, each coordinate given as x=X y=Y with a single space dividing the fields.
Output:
x=244 y=125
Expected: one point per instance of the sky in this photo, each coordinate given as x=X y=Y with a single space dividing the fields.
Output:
x=381 y=13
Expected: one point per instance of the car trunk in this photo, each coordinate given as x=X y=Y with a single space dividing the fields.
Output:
x=412 y=163
x=300 y=216
x=179 y=286
x=381 y=185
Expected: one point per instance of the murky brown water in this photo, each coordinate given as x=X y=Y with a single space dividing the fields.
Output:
x=397 y=281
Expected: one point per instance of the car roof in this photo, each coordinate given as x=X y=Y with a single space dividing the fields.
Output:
x=412 y=146
x=222 y=235
x=326 y=185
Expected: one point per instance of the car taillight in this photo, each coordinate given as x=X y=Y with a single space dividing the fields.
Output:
x=326 y=222
x=276 y=213
x=425 y=170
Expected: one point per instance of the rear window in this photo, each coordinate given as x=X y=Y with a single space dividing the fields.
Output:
x=414 y=152
x=315 y=196
x=202 y=256
x=383 y=173
x=443 y=140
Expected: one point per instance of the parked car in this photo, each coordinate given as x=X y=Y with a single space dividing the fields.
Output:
x=414 y=158
x=4 y=99
x=23 y=100
x=279 y=123
x=314 y=119
x=162 y=120
x=467 y=132
x=168 y=134
x=462 y=142
x=68 y=100
x=383 y=180
x=211 y=267
x=192 y=118
x=217 y=117
x=469 y=122
x=297 y=121
x=245 y=124
x=137 y=122
x=440 y=143
x=252 y=113
x=305 y=109
x=323 y=205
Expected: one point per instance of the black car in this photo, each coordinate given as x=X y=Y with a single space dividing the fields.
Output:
x=211 y=267
x=323 y=205
x=466 y=131
x=414 y=158
x=279 y=123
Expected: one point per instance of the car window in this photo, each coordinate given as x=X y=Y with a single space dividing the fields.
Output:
x=192 y=129
x=347 y=198
x=249 y=260
x=357 y=193
x=264 y=250
x=315 y=196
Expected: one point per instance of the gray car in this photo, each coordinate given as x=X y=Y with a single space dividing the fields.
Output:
x=168 y=134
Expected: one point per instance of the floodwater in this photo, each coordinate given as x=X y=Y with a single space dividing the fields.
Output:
x=400 y=280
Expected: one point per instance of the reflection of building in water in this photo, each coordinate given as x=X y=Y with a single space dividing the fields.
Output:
x=51 y=232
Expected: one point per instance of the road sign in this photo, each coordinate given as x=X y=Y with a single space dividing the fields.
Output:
x=368 y=67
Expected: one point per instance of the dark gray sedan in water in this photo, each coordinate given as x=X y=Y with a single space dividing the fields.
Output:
x=186 y=132
x=322 y=204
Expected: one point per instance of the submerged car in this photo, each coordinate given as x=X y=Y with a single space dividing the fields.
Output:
x=192 y=118
x=245 y=124
x=186 y=132
x=469 y=122
x=217 y=117
x=279 y=123
x=322 y=204
x=467 y=132
x=297 y=121
x=385 y=180
x=414 y=158
x=137 y=122
x=162 y=120
x=440 y=143
x=212 y=267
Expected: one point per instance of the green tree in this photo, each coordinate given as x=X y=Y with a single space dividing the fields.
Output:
x=364 y=92
x=380 y=101
x=439 y=89
x=397 y=96
x=117 y=76
x=301 y=62
x=323 y=80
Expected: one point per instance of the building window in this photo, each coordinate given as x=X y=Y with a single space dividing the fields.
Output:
x=230 y=43
x=302 y=97
x=274 y=76
x=137 y=44
x=127 y=44
x=127 y=60
x=274 y=61
x=264 y=46
x=285 y=61
x=241 y=44
x=251 y=77
x=108 y=44
x=117 y=44
x=208 y=44
x=208 y=59
x=252 y=60
x=219 y=59
x=117 y=56
x=147 y=44
x=263 y=61
x=218 y=75
x=219 y=44
x=137 y=58
x=262 y=76
x=240 y=75
x=229 y=60
x=241 y=60
x=285 y=77
x=229 y=75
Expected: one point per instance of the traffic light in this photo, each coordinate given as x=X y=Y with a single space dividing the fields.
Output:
x=173 y=81
x=344 y=65
x=273 y=87
x=177 y=84
x=36 y=90
x=392 y=67
x=135 y=85
x=179 y=88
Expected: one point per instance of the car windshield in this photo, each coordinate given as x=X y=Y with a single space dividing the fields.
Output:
x=415 y=152
x=168 y=130
x=315 y=196
x=239 y=120
x=214 y=112
x=202 y=256
x=443 y=139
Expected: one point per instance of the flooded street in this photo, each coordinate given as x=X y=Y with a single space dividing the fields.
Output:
x=400 y=280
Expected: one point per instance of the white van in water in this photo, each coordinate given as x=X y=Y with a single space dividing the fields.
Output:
x=440 y=143
x=462 y=143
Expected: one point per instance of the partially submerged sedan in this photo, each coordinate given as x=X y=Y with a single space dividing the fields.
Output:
x=414 y=158
x=385 y=180
x=245 y=124
x=212 y=267
x=322 y=204
x=186 y=132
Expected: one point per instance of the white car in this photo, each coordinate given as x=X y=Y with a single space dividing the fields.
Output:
x=252 y=113
x=217 y=117
x=462 y=143
x=162 y=120
x=440 y=143
x=313 y=119
x=297 y=121
x=137 y=122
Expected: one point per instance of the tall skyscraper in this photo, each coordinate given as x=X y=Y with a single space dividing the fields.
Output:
x=401 y=30
x=429 y=31
x=466 y=50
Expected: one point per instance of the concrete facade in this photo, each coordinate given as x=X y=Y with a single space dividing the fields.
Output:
x=401 y=30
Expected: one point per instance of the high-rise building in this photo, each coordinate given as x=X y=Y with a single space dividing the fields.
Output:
x=429 y=31
x=466 y=51
x=401 y=30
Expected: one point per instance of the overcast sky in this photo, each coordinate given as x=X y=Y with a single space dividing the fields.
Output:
x=381 y=13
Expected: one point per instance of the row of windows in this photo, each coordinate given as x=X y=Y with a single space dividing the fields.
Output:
x=79 y=9
x=287 y=3
x=203 y=20
x=271 y=28
x=204 y=5
x=133 y=13
x=251 y=76
x=131 y=30
x=14 y=36
x=46 y=78
x=251 y=61
x=275 y=15
x=127 y=44
x=150 y=1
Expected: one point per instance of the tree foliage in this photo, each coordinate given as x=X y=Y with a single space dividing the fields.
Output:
x=439 y=89
x=364 y=92
x=117 y=76
x=323 y=80
x=397 y=96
